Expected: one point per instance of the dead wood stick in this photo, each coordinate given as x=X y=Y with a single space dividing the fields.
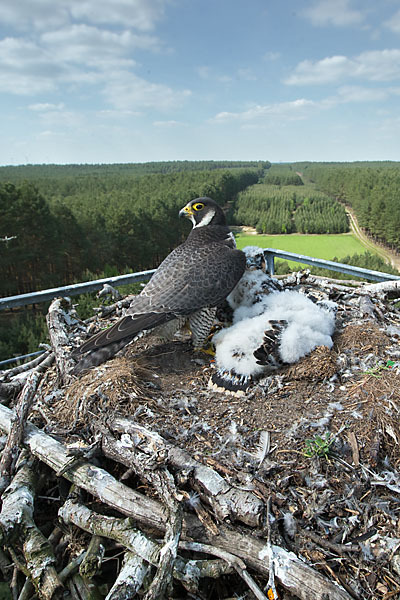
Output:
x=10 y=389
x=231 y=559
x=92 y=559
x=15 y=435
x=121 y=530
x=340 y=549
x=19 y=531
x=163 y=578
x=227 y=501
x=293 y=573
x=71 y=568
x=57 y=320
x=27 y=591
x=130 y=578
x=389 y=288
x=81 y=589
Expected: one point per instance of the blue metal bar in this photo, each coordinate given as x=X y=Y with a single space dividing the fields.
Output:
x=72 y=290
x=270 y=254
x=329 y=264
x=17 y=358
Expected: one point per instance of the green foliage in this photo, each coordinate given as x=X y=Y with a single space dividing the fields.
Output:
x=319 y=447
x=371 y=189
x=21 y=333
x=282 y=175
x=66 y=225
x=272 y=209
x=377 y=370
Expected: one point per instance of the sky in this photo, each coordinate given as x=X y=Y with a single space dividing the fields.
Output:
x=119 y=81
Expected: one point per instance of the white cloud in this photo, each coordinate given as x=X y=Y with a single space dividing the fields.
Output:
x=82 y=55
x=44 y=14
x=357 y=94
x=374 y=65
x=44 y=107
x=83 y=44
x=394 y=22
x=140 y=14
x=26 y=69
x=333 y=12
x=297 y=109
x=361 y=94
x=126 y=91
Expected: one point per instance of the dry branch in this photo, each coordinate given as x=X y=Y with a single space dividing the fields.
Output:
x=130 y=579
x=20 y=532
x=293 y=573
x=91 y=562
x=57 y=321
x=227 y=501
x=40 y=361
x=15 y=435
x=390 y=288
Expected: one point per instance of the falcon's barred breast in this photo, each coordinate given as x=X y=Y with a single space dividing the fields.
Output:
x=197 y=276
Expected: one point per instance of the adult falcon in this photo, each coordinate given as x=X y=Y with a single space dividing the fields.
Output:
x=189 y=284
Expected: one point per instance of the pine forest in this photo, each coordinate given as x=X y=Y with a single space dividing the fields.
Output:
x=63 y=224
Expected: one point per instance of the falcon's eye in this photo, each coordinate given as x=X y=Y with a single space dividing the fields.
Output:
x=198 y=206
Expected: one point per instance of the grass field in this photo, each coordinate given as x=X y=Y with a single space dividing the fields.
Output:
x=320 y=246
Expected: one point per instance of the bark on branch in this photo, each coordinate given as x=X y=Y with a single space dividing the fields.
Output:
x=293 y=573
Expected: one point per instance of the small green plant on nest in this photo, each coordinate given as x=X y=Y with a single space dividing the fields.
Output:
x=319 y=446
x=377 y=370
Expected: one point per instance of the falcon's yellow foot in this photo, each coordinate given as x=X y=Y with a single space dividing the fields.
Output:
x=207 y=349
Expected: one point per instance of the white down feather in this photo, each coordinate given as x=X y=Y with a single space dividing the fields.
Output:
x=308 y=326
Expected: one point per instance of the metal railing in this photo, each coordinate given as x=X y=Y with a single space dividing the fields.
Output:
x=270 y=255
x=92 y=286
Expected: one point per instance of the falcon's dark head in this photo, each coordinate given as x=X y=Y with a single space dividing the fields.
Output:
x=203 y=211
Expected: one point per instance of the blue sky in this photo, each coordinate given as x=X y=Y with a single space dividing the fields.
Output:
x=103 y=81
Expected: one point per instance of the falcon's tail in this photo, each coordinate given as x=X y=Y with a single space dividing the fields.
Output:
x=99 y=356
x=107 y=343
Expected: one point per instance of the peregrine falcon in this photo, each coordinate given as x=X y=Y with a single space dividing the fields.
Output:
x=191 y=282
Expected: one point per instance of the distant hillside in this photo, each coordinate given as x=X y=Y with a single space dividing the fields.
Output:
x=34 y=172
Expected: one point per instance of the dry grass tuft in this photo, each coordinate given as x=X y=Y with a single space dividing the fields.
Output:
x=115 y=386
x=320 y=364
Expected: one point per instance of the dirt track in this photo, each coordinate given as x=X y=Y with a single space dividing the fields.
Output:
x=383 y=252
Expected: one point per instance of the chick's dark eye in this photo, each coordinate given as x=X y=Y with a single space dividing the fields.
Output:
x=198 y=206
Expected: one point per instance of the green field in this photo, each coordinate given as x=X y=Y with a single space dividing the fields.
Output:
x=321 y=246
x=329 y=247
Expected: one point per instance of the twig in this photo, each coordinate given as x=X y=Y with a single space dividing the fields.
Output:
x=228 y=502
x=163 y=578
x=130 y=579
x=16 y=433
x=340 y=549
x=231 y=559
x=57 y=326
x=92 y=558
x=19 y=531
x=6 y=375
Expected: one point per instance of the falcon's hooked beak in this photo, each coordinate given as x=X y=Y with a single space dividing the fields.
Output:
x=186 y=211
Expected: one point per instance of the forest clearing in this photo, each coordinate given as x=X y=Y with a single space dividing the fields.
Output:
x=327 y=246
